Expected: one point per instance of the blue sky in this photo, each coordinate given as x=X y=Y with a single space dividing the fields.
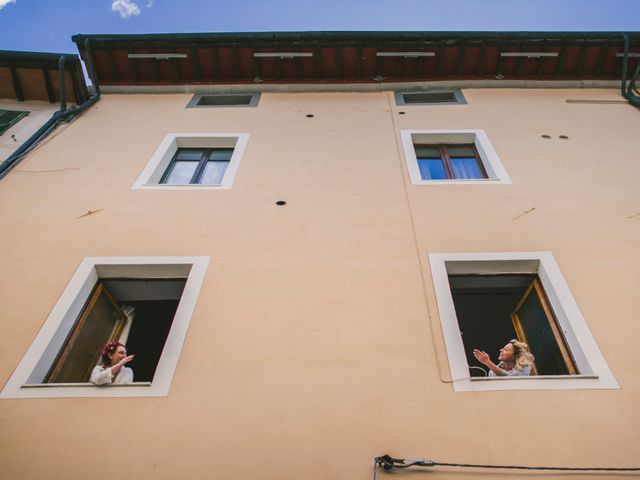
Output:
x=47 y=25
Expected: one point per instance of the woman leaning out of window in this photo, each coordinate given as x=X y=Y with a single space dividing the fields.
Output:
x=514 y=360
x=112 y=368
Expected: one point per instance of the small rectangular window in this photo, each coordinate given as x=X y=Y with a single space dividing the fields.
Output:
x=224 y=100
x=435 y=97
x=8 y=118
x=446 y=157
x=194 y=161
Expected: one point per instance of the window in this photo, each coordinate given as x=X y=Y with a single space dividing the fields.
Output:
x=225 y=100
x=145 y=302
x=484 y=300
x=194 y=161
x=438 y=162
x=8 y=118
x=434 y=97
x=202 y=166
x=451 y=157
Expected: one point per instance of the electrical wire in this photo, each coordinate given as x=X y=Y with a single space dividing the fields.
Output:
x=421 y=266
x=387 y=463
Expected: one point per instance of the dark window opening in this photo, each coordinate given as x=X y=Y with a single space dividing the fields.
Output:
x=448 y=162
x=429 y=97
x=224 y=100
x=136 y=312
x=442 y=97
x=492 y=309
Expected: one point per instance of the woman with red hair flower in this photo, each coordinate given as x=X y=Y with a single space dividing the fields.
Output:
x=112 y=368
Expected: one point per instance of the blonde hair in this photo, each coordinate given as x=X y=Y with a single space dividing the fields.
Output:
x=521 y=356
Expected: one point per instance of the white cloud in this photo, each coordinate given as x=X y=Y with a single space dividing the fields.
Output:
x=149 y=3
x=4 y=3
x=126 y=8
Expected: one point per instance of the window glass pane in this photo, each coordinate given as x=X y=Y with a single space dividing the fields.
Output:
x=189 y=154
x=213 y=173
x=427 y=151
x=432 y=169
x=225 y=100
x=539 y=334
x=181 y=173
x=460 y=151
x=466 y=168
x=221 y=154
x=429 y=97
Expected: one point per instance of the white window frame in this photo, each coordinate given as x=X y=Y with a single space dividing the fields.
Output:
x=150 y=177
x=26 y=380
x=496 y=172
x=594 y=371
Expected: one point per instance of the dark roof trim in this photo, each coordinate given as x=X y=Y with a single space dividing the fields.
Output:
x=41 y=58
x=352 y=35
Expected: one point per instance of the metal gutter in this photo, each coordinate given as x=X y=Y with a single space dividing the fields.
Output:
x=627 y=92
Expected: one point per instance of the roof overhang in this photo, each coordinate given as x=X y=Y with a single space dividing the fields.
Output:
x=355 y=57
x=35 y=76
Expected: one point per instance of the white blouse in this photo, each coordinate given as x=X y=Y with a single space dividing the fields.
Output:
x=103 y=376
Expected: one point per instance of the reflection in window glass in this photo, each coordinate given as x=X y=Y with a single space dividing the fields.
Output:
x=200 y=166
x=432 y=169
x=466 y=168
x=181 y=173
x=213 y=173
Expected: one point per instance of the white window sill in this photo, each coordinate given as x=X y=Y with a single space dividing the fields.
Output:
x=157 y=186
x=530 y=378
x=85 y=385
x=538 y=382
x=457 y=181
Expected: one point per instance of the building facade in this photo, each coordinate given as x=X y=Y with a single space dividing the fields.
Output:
x=311 y=262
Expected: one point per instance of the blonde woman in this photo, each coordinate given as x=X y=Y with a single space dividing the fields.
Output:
x=514 y=360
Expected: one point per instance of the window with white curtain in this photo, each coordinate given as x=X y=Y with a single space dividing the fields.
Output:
x=452 y=156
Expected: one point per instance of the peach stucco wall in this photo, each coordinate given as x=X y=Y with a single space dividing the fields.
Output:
x=315 y=344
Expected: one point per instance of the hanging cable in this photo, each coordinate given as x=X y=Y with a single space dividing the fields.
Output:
x=387 y=462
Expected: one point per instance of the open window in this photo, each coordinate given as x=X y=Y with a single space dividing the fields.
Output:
x=134 y=312
x=486 y=299
x=492 y=309
x=143 y=302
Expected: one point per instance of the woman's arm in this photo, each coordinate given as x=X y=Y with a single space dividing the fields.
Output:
x=115 y=369
x=483 y=357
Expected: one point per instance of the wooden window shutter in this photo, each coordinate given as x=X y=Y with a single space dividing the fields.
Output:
x=536 y=325
x=101 y=321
